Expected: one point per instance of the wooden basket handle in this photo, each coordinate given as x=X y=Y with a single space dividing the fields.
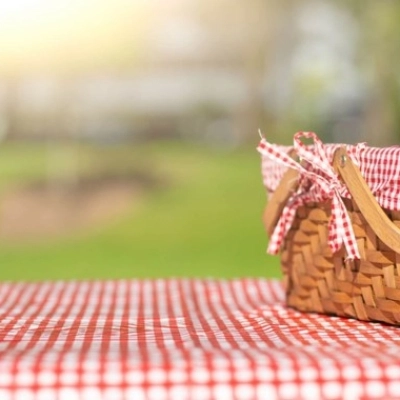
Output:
x=381 y=224
x=276 y=203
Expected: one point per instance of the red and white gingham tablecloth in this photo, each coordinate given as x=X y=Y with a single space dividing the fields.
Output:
x=185 y=339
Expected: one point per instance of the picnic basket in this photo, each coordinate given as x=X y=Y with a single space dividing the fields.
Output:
x=333 y=214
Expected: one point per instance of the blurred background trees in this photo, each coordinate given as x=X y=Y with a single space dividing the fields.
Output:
x=217 y=71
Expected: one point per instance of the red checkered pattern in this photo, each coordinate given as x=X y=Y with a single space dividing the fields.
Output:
x=380 y=168
x=185 y=339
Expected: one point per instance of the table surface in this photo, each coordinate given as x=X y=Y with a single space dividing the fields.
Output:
x=185 y=339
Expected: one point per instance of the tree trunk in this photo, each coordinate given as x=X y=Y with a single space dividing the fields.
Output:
x=11 y=108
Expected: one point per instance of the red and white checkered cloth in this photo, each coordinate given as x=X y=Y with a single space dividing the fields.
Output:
x=185 y=339
x=380 y=168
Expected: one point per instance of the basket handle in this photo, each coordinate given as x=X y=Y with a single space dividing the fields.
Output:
x=288 y=184
x=381 y=224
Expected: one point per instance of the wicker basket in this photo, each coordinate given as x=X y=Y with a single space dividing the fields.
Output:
x=319 y=280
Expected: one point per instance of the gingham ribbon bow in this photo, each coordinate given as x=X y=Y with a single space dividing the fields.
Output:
x=324 y=177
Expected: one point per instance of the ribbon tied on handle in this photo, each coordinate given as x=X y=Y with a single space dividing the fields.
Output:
x=318 y=182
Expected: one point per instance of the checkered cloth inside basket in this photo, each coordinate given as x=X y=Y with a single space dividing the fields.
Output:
x=184 y=339
x=380 y=168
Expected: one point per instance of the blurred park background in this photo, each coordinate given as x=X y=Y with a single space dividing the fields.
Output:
x=128 y=127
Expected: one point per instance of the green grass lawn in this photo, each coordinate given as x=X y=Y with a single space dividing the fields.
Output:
x=205 y=221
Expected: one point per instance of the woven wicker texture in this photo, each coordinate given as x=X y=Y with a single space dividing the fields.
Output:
x=319 y=281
